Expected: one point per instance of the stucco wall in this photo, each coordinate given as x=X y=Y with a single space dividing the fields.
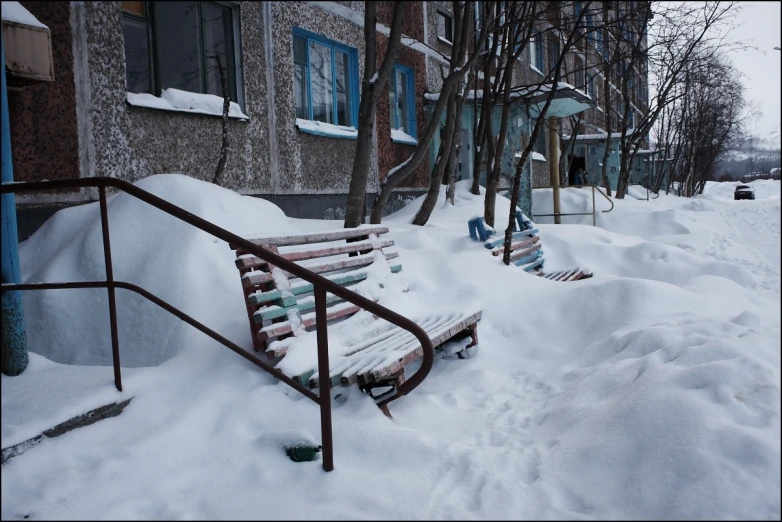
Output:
x=44 y=140
x=132 y=142
x=309 y=163
x=391 y=154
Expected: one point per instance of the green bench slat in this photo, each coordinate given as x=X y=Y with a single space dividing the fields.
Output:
x=260 y=298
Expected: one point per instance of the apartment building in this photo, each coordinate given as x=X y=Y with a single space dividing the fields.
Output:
x=603 y=60
x=138 y=91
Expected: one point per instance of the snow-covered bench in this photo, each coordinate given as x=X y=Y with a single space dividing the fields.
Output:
x=281 y=308
x=526 y=251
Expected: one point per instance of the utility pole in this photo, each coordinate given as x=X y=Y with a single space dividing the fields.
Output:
x=13 y=357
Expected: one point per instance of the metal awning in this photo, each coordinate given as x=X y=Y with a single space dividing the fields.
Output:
x=567 y=99
x=28 y=47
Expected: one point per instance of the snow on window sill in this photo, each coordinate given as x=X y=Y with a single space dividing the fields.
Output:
x=537 y=156
x=443 y=40
x=536 y=70
x=328 y=130
x=183 y=101
x=400 y=136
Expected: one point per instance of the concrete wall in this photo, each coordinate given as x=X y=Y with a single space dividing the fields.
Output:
x=44 y=139
x=131 y=143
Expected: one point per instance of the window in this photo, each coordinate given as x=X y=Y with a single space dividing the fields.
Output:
x=599 y=42
x=578 y=78
x=178 y=45
x=536 y=51
x=540 y=141
x=445 y=26
x=577 y=9
x=553 y=55
x=325 y=79
x=591 y=86
x=591 y=149
x=401 y=92
x=589 y=28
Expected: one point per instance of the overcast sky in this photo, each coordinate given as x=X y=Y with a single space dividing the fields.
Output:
x=760 y=26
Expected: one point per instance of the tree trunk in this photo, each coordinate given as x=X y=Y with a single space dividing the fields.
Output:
x=400 y=172
x=226 y=109
x=436 y=176
x=456 y=145
x=373 y=83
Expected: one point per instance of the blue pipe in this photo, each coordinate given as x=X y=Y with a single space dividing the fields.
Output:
x=13 y=357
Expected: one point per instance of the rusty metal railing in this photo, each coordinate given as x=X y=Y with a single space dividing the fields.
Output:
x=593 y=213
x=321 y=286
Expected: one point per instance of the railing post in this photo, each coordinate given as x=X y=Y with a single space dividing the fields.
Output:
x=594 y=219
x=13 y=350
x=324 y=378
x=104 y=222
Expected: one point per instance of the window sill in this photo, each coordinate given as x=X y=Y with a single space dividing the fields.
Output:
x=400 y=136
x=536 y=70
x=537 y=156
x=405 y=142
x=443 y=40
x=174 y=100
x=327 y=130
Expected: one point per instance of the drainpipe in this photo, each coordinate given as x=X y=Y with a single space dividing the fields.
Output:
x=13 y=357
x=553 y=153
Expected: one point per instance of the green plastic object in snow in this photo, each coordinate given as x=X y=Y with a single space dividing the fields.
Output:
x=304 y=453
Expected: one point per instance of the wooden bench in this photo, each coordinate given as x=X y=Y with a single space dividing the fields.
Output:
x=526 y=251
x=281 y=307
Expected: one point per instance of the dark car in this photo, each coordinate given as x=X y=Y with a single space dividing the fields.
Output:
x=744 y=192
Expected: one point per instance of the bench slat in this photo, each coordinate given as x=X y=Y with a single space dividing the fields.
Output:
x=285 y=327
x=516 y=235
x=275 y=312
x=515 y=246
x=521 y=254
x=250 y=261
x=315 y=237
x=537 y=255
x=256 y=277
x=259 y=298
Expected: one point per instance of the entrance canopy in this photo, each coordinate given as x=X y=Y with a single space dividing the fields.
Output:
x=567 y=99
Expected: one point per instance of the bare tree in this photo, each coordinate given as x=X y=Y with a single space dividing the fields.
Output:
x=372 y=85
x=226 y=108
x=676 y=32
x=566 y=29
x=451 y=82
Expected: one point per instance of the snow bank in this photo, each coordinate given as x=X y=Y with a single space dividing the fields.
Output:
x=648 y=391
x=180 y=264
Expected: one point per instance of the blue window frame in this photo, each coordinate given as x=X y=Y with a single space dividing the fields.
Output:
x=325 y=79
x=589 y=28
x=536 y=51
x=401 y=92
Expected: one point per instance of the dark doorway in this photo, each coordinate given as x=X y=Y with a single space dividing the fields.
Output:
x=576 y=162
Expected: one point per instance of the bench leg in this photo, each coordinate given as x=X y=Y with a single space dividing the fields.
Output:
x=394 y=382
x=473 y=341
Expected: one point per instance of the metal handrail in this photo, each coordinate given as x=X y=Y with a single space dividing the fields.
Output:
x=321 y=286
x=594 y=218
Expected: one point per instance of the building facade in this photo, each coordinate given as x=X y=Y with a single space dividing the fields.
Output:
x=138 y=91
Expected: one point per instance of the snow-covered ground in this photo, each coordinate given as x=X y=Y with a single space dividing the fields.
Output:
x=651 y=390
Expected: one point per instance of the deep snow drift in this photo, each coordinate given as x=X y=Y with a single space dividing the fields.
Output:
x=651 y=390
